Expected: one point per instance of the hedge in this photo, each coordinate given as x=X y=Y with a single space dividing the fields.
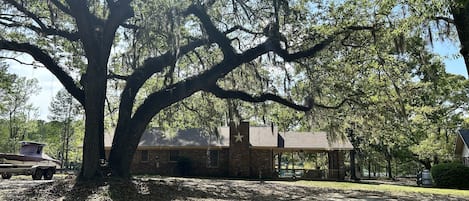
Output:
x=451 y=175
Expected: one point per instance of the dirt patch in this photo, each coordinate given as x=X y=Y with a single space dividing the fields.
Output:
x=191 y=189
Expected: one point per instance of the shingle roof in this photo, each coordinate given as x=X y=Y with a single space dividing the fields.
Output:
x=462 y=140
x=183 y=138
x=259 y=137
x=265 y=136
x=313 y=141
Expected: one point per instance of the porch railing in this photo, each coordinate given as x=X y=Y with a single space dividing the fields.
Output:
x=313 y=173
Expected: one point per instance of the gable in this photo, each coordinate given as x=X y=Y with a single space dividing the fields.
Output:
x=259 y=136
x=462 y=142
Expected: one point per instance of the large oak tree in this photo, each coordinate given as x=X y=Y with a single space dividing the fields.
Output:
x=178 y=48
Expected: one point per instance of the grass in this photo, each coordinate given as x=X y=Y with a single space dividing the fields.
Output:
x=384 y=188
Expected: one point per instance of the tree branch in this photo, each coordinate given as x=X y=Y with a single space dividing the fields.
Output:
x=22 y=9
x=171 y=94
x=33 y=64
x=277 y=48
x=113 y=75
x=232 y=94
x=183 y=89
x=239 y=27
x=213 y=33
x=47 y=31
x=61 y=6
x=150 y=66
x=288 y=57
x=130 y=26
x=42 y=57
x=120 y=12
x=42 y=29
x=446 y=19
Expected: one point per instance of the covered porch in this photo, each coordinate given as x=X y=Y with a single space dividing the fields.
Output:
x=311 y=156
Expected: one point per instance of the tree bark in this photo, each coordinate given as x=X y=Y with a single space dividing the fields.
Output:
x=123 y=150
x=388 y=165
x=369 y=168
x=97 y=36
x=461 y=21
x=93 y=144
x=426 y=163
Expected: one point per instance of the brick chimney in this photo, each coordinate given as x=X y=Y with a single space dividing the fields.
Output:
x=239 y=160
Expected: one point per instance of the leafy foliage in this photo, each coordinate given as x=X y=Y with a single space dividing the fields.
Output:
x=167 y=64
x=18 y=111
x=451 y=175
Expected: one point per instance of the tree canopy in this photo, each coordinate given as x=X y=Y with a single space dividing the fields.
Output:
x=139 y=62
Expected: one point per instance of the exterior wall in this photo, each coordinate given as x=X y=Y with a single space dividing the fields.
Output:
x=159 y=163
x=262 y=165
x=465 y=156
x=465 y=152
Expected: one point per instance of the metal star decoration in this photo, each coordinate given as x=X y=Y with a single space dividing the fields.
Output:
x=238 y=138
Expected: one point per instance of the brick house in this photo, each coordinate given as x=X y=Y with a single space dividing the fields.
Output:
x=234 y=151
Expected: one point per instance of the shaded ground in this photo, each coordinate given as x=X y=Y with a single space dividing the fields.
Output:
x=190 y=189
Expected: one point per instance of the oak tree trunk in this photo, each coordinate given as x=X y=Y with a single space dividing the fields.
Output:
x=461 y=19
x=93 y=145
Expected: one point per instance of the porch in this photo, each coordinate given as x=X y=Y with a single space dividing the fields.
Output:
x=311 y=156
x=314 y=165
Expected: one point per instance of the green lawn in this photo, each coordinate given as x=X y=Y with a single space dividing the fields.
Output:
x=383 y=187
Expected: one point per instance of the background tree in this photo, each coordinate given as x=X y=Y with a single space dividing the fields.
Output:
x=6 y=79
x=65 y=110
x=18 y=110
x=438 y=20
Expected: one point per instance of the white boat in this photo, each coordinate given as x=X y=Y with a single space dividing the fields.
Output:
x=30 y=161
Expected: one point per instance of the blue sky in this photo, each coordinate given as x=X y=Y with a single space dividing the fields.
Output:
x=50 y=85
x=449 y=52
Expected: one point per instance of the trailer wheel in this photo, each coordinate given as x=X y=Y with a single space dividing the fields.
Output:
x=48 y=174
x=6 y=175
x=37 y=174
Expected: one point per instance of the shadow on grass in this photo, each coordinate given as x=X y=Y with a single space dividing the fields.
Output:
x=166 y=189
x=152 y=190
x=180 y=189
x=81 y=191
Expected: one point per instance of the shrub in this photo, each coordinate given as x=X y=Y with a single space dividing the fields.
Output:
x=451 y=175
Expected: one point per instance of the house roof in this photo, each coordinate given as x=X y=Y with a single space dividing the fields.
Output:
x=312 y=141
x=265 y=136
x=259 y=137
x=193 y=137
x=461 y=141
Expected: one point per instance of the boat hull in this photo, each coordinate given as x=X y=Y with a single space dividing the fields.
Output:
x=23 y=161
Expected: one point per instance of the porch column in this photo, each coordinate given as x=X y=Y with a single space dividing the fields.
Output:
x=353 y=175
